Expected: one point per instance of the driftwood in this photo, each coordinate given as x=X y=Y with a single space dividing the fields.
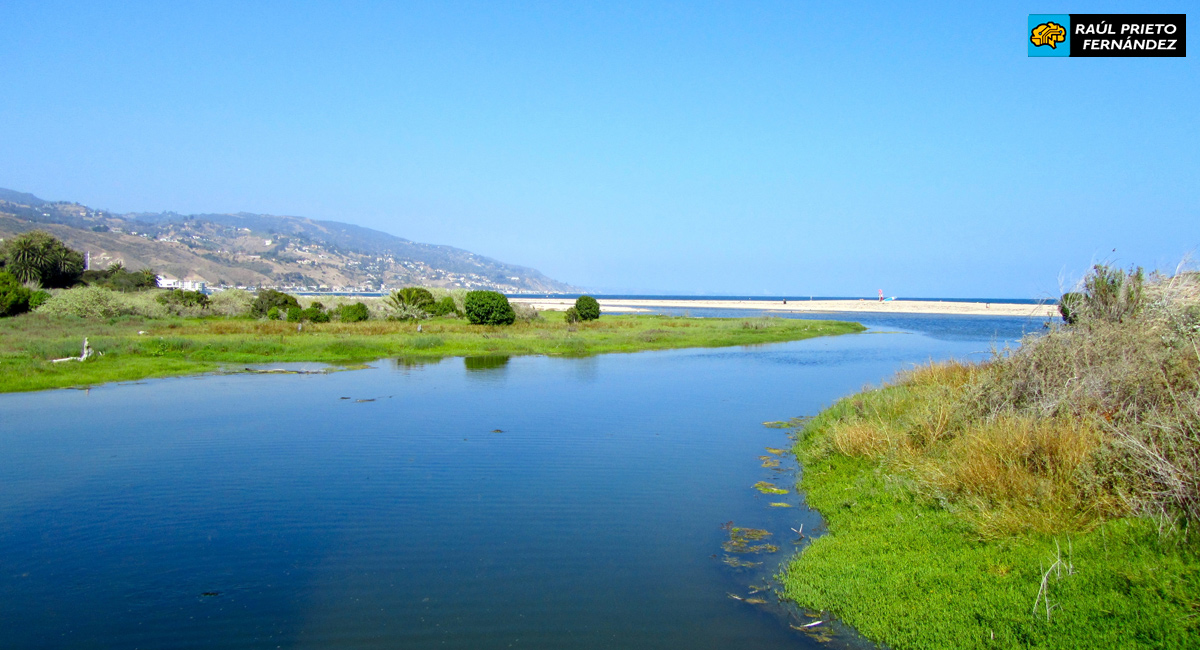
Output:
x=86 y=353
x=284 y=371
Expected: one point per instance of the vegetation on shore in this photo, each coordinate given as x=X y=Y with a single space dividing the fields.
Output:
x=1047 y=498
x=136 y=347
x=136 y=330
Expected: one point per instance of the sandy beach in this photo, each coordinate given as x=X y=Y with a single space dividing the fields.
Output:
x=864 y=306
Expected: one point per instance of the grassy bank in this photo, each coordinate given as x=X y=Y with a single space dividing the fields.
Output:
x=1047 y=498
x=136 y=348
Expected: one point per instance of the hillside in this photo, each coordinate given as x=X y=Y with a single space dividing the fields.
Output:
x=263 y=250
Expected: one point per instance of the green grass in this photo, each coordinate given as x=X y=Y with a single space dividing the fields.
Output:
x=186 y=346
x=951 y=493
x=912 y=571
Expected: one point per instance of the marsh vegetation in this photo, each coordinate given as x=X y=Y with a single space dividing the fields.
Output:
x=1048 y=497
x=136 y=347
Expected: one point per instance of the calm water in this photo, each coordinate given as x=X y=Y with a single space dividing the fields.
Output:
x=270 y=511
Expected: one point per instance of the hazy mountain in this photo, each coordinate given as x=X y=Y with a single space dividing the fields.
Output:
x=262 y=250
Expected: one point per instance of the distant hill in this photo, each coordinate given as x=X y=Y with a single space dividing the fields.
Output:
x=263 y=250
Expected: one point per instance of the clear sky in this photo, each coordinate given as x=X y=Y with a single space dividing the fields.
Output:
x=786 y=148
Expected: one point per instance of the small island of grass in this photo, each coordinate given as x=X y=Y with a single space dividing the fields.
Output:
x=137 y=347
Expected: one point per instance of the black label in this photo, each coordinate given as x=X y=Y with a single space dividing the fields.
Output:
x=1128 y=34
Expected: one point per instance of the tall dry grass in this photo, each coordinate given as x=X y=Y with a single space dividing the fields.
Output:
x=1087 y=421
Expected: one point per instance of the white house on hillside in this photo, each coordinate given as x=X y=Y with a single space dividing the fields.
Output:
x=192 y=283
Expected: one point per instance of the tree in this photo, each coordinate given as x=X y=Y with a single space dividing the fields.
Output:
x=268 y=298
x=117 y=278
x=410 y=297
x=14 y=298
x=488 y=308
x=354 y=313
x=587 y=307
x=37 y=256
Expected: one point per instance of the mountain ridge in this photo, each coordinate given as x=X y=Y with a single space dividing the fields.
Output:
x=260 y=250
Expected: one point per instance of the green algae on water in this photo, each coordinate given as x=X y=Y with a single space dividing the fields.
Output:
x=740 y=541
x=769 y=488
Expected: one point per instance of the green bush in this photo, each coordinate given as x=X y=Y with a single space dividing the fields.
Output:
x=459 y=296
x=37 y=256
x=443 y=307
x=314 y=313
x=587 y=307
x=38 y=299
x=14 y=298
x=1068 y=306
x=489 y=308
x=1109 y=295
x=115 y=277
x=180 y=298
x=1112 y=295
x=273 y=313
x=572 y=315
x=353 y=313
x=98 y=302
x=268 y=298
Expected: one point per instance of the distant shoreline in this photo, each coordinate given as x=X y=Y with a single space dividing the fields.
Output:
x=955 y=308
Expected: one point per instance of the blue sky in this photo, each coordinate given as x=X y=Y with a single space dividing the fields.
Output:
x=733 y=148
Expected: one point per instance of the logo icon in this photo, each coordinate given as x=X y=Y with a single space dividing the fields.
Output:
x=1048 y=33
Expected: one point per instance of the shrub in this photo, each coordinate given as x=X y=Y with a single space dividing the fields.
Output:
x=1109 y=295
x=443 y=307
x=411 y=297
x=231 y=302
x=98 y=302
x=314 y=313
x=38 y=299
x=273 y=313
x=572 y=315
x=458 y=296
x=1068 y=306
x=526 y=313
x=407 y=312
x=488 y=308
x=115 y=277
x=587 y=307
x=182 y=303
x=182 y=298
x=294 y=314
x=353 y=313
x=37 y=256
x=14 y=298
x=268 y=298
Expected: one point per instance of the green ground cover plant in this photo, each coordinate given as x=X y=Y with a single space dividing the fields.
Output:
x=136 y=347
x=1047 y=498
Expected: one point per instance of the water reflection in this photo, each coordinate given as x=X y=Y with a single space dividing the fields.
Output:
x=486 y=363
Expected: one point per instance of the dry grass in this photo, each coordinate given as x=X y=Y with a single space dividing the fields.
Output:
x=1086 y=422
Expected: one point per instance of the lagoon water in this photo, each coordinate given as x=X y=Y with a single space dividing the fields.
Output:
x=529 y=502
